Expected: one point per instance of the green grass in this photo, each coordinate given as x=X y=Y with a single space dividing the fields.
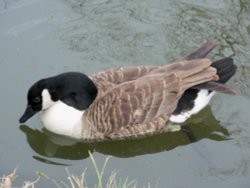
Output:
x=76 y=181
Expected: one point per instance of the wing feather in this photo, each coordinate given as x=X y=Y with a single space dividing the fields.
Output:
x=147 y=102
x=110 y=78
x=134 y=103
x=140 y=100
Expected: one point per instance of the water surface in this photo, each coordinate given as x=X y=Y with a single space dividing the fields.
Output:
x=40 y=39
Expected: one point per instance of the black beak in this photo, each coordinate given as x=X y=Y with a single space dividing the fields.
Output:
x=29 y=112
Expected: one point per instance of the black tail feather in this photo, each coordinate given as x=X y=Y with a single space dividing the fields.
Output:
x=225 y=69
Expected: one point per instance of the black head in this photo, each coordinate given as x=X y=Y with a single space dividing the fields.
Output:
x=73 y=88
x=34 y=99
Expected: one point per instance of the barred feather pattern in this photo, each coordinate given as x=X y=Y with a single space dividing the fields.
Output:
x=108 y=79
x=137 y=101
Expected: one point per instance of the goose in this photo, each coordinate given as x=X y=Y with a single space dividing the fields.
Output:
x=129 y=102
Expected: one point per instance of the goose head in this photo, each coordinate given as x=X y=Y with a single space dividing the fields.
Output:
x=73 y=89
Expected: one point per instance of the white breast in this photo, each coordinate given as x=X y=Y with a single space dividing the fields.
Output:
x=63 y=119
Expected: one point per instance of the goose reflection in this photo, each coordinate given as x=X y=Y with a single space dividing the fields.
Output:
x=47 y=144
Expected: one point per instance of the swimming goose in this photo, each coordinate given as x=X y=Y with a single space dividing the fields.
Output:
x=129 y=101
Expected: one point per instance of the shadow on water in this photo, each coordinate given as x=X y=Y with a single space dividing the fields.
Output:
x=46 y=144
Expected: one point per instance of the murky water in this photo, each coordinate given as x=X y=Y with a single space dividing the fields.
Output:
x=43 y=38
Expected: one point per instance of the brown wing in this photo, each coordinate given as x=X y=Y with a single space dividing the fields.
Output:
x=108 y=79
x=134 y=103
x=202 y=52
x=152 y=96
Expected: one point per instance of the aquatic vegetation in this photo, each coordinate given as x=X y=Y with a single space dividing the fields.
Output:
x=76 y=181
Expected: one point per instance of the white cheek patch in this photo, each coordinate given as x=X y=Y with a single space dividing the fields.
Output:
x=46 y=99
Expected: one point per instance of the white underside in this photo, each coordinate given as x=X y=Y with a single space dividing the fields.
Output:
x=62 y=119
x=200 y=102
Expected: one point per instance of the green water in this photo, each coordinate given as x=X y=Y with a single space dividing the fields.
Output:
x=43 y=38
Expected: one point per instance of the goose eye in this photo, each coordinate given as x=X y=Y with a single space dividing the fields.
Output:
x=36 y=100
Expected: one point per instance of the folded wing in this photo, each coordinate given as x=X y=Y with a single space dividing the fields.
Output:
x=152 y=97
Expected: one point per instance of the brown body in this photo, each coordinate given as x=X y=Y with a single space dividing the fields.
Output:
x=137 y=101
